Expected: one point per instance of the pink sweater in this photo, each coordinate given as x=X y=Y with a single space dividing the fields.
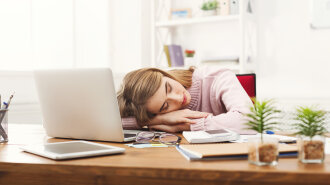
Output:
x=219 y=92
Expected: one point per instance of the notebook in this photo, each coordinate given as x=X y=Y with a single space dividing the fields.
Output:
x=210 y=136
x=230 y=150
x=167 y=53
x=176 y=55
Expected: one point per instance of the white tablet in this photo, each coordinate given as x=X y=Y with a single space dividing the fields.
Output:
x=72 y=149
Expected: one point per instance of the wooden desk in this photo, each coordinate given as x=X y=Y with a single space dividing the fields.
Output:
x=142 y=166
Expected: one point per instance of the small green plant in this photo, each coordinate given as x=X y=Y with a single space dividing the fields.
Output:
x=210 y=5
x=311 y=122
x=262 y=117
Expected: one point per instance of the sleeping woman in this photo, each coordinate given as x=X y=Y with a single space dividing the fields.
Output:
x=182 y=100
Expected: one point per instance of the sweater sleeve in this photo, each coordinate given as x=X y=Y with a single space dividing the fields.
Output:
x=227 y=92
x=130 y=123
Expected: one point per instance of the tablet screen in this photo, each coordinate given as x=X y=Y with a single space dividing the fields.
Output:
x=74 y=147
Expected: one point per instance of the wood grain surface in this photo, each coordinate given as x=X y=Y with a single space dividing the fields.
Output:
x=142 y=166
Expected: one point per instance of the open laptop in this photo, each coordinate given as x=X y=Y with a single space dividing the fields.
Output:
x=80 y=104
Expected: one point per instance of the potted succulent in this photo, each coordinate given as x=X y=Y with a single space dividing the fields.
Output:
x=310 y=127
x=189 y=53
x=210 y=7
x=190 y=60
x=263 y=149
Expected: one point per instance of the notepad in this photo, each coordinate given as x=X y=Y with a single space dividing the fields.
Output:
x=230 y=150
x=211 y=136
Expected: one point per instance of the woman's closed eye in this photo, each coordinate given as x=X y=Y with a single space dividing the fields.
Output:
x=169 y=87
x=169 y=90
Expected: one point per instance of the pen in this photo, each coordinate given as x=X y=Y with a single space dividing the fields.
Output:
x=269 y=132
x=5 y=105
x=8 y=102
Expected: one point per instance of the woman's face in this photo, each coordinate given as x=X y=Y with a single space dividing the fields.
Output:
x=170 y=96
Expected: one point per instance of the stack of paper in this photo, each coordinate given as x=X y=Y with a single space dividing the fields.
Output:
x=226 y=151
x=281 y=138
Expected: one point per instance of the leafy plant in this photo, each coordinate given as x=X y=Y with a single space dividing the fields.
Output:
x=311 y=122
x=262 y=117
x=210 y=5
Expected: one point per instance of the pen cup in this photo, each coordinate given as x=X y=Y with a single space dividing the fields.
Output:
x=3 y=125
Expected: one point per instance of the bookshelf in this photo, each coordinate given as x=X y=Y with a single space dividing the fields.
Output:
x=163 y=32
x=197 y=20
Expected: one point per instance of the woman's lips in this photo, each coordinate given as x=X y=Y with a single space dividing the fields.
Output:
x=184 y=99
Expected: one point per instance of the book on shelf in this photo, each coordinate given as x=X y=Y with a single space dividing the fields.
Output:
x=180 y=13
x=227 y=151
x=176 y=55
x=167 y=55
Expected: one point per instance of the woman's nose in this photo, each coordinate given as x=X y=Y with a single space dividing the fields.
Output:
x=174 y=97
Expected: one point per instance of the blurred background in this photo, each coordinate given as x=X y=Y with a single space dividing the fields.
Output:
x=285 y=42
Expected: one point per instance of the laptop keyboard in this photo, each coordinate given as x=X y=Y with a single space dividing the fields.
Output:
x=129 y=135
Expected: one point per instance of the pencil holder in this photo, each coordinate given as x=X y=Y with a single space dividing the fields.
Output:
x=3 y=125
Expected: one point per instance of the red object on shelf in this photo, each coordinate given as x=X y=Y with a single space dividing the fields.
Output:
x=189 y=51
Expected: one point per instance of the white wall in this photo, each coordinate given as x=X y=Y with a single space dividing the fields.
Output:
x=64 y=34
x=294 y=59
x=15 y=34
x=127 y=35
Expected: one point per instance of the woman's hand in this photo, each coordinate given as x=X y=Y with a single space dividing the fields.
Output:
x=177 y=117
x=171 y=128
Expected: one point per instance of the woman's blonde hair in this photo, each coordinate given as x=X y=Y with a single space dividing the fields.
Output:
x=139 y=85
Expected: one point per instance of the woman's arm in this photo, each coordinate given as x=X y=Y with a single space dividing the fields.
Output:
x=226 y=92
x=178 y=117
x=179 y=120
x=131 y=124
x=234 y=121
x=171 y=128
x=176 y=121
